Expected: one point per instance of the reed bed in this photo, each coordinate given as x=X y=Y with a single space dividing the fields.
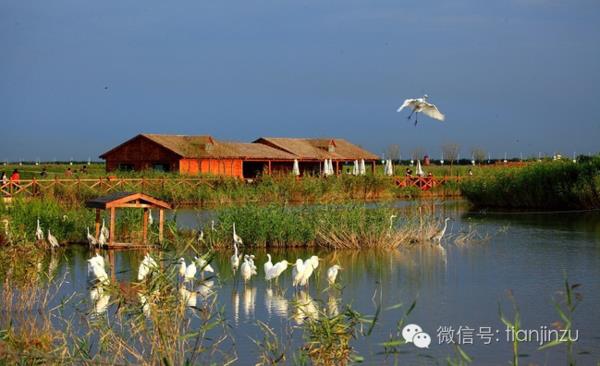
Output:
x=331 y=227
x=555 y=185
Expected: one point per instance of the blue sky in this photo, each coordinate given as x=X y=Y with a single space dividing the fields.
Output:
x=78 y=77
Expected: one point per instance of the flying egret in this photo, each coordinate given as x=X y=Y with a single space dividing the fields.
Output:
x=419 y=105
x=268 y=265
x=104 y=230
x=187 y=272
x=440 y=234
x=91 y=240
x=332 y=273
x=52 y=240
x=39 y=234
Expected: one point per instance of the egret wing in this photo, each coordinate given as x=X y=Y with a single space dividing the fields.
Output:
x=408 y=103
x=432 y=111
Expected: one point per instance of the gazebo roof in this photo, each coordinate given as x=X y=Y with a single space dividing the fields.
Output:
x=126 y=199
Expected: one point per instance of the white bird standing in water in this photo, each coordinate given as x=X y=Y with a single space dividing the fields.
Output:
x=186 y=272
x=104 y=230
x=96 y=268
x=440 y=234
x=267 y=266
x=235 y=258
x=203 y=265
x=236 y=238
x=246 y=269
x=332 y=273
x=102 y=239
x=419 y=105
x=52 y=240
x=276 y=270
x=309 y=266
x=39 y=234
x=297 y=271
x=392 y=217
x=91 y=240
x=148 y=264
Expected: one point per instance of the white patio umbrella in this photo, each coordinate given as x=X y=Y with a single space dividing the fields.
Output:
x=296 y=168
x=420 y=171
x=362 y=169
x=389 y=169
x=355 y=169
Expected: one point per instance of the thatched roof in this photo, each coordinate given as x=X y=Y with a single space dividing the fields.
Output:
x=268 y=148
x=319 y=149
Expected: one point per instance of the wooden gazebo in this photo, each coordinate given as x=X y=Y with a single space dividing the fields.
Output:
x=128 y=200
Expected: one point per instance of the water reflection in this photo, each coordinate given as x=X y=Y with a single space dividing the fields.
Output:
x=276 y=303
x=304 y=307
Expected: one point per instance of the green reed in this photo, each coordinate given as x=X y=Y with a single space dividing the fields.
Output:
x=542 y=185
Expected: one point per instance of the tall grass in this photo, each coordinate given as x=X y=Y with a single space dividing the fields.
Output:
x=544 y=185
x=335 y=227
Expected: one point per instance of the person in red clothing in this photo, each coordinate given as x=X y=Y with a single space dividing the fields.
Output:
x=14 y=179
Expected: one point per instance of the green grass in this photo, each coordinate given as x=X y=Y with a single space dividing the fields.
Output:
x=544 y=185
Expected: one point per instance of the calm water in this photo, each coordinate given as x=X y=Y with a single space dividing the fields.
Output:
x=459 y=286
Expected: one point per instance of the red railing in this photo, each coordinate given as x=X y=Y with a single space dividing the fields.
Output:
x=425 y=183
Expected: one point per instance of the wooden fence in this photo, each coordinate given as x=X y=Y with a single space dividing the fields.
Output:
x=425 y=183
x=36 y=187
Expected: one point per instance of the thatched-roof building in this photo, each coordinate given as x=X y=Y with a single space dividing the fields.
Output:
x=204 y=154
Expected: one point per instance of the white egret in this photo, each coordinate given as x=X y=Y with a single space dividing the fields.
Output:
x=52 y=240
x=392 y=217
x=276 y=270
x=419 y=105
x=90 y=238
x=246 y=270
x=187 y=272
x=39 y=234
x=212 y=225
x=236 y=238
x=96 y=269
x=104 y=230
x=235 y=258
x=203 y=265
x=102 y=240
x=148 y=264
x=201 y=236
x=267 y=266
x=332 y=273
x=297 y=271
x=440 y=234
x=309 y=266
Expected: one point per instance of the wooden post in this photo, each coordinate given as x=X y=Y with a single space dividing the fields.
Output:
x=337 y=167
x=97 y=223
x=145 y=227
x=269 y=167
x=373 y=167
x=161 y=221
x=112 y=225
